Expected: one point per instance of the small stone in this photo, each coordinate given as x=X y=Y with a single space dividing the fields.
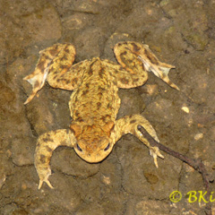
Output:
x=198 y=136
x=2 y=180
x=185 y=109
x=106 y=180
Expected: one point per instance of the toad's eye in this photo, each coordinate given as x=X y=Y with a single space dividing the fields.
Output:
x=107 y=147
x=79 y=148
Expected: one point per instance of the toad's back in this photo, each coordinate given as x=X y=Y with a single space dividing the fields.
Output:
x=95 y=101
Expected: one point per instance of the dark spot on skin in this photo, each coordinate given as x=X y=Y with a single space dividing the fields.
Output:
x=98 y=105
x=53 y=52
x=51 y=69
x=107 y=116
x=41 y=65
x=101 y=88
x=64 y=58
x=150 y=57
x=79 y=119
x=123 y=53
x=67 y=81
x=48 y=149
x=36 y=84
x=85 y=92
x=136 y=79
x=124 y=80
x=66 y=50
x=143 y=68
x=64 y=80
x=42 y=158
x=133 y=121
x=109 y=106
x=100 y=94
x=87 y=85
x=74 y=67
x=125 y=43
x=72 y=130
x=46 y=139
x=90 y=72
x=103 y=119
x=46 y=57
x=74 y=80
x=56 y=78
x=101 y=72
x=77 y=113
x=119 y=44
x=114 y=82
x=64 y=67
x=136 y=48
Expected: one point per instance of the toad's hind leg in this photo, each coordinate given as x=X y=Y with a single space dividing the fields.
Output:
x=46 y=144
x=130 y=54
x=129 y=124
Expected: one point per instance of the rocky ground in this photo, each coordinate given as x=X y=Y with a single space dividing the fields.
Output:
x=179 y=32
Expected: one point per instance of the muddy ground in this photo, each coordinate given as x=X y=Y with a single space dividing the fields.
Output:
x=181 y=33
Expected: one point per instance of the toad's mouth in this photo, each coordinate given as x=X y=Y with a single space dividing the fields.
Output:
x=93 y=154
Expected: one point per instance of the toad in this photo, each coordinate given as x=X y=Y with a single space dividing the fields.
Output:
x=94 y=102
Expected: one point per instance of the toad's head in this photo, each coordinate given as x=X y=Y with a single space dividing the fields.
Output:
x=93 y=142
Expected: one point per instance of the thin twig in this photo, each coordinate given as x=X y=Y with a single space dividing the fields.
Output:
x=195 y=163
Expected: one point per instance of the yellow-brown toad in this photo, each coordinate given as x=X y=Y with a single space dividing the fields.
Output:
x=94 y=103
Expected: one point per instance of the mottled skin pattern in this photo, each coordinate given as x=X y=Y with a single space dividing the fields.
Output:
x=94 y=103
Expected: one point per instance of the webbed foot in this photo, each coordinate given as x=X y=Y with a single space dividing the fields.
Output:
x=44 y=175
x=152 y=64
x=37 y=80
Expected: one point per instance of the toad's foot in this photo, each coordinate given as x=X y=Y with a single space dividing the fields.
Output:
x=129 y=124
x=161 y=70
x=154 y=152
x=44 y=175
x=37 y=80
x=46 y=144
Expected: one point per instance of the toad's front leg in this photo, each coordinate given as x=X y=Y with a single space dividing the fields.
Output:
x=129 y=124
x=46 y=144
